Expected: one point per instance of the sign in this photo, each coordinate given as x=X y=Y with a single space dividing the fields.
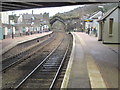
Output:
x=88 y=20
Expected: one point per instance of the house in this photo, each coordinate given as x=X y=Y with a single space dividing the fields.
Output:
x=13 y=30
x=4 y=23
x=35 y=22
x=110 y=26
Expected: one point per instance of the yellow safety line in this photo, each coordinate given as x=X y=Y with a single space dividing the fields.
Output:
x=96 y=79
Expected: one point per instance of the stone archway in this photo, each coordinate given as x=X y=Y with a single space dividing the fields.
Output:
x=57 y=18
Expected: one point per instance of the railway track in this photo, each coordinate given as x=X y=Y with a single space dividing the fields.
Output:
x=18 y=72
x=13 y=60
x=60 y=77
x=46 y=73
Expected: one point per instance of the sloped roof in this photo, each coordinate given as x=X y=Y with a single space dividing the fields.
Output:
x=96 y=15
x=38 y=16
x=93 y=14
x=108 y=13
x=27 y=16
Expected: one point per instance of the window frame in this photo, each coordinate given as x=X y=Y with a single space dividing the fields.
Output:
x=111 y=21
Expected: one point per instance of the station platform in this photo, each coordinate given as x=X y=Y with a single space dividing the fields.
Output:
x=92 y=64
x=9 y=43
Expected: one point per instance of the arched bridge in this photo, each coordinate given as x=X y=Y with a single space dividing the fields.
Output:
x=57 y=18
x=69 y=23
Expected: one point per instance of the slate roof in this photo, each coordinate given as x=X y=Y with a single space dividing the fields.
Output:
x=27 y=16
x=108 y=13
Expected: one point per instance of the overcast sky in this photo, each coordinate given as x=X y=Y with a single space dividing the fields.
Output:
x=51 y=10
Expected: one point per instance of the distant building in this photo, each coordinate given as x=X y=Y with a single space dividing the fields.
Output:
x=27 y=23
x=13 y=23
x=46 y=16
x=92 y=24
x=110 y=26
x=46 y=21
x=34 y=22
x=95 y=25
x=20 y=25
x=4 y=23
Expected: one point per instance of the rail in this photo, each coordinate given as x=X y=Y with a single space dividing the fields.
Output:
x=29 y=54
x=23 y=81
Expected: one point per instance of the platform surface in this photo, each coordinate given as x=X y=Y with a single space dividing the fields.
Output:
x=92 y=64
x=9 y=43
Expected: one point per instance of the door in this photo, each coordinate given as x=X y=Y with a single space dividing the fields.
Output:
x=1 y=33
x=101 y=30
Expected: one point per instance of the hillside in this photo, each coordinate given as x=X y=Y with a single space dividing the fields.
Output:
x=87 y=9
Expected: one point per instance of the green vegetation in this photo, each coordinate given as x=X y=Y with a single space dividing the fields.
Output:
x=87 y=9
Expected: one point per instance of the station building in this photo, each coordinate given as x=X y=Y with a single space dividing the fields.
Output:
x=91 y=23
x=110 y=26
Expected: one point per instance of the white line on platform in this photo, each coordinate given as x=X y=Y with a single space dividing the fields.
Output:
x=95 y=76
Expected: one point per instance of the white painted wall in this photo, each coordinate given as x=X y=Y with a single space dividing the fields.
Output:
x=5 y=31
x=119 y=24
x=20 y=19
x=107 y=38
x=14 y=30
x=4 y=18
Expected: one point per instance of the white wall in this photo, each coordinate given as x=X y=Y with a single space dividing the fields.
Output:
x=0 y=21
x=20 y=19
x=88 y=24
x=4 y=18
x=5 y=31
x=107 y=38
x=119 y=24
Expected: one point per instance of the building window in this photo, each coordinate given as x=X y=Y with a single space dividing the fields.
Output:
x=111 y=26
